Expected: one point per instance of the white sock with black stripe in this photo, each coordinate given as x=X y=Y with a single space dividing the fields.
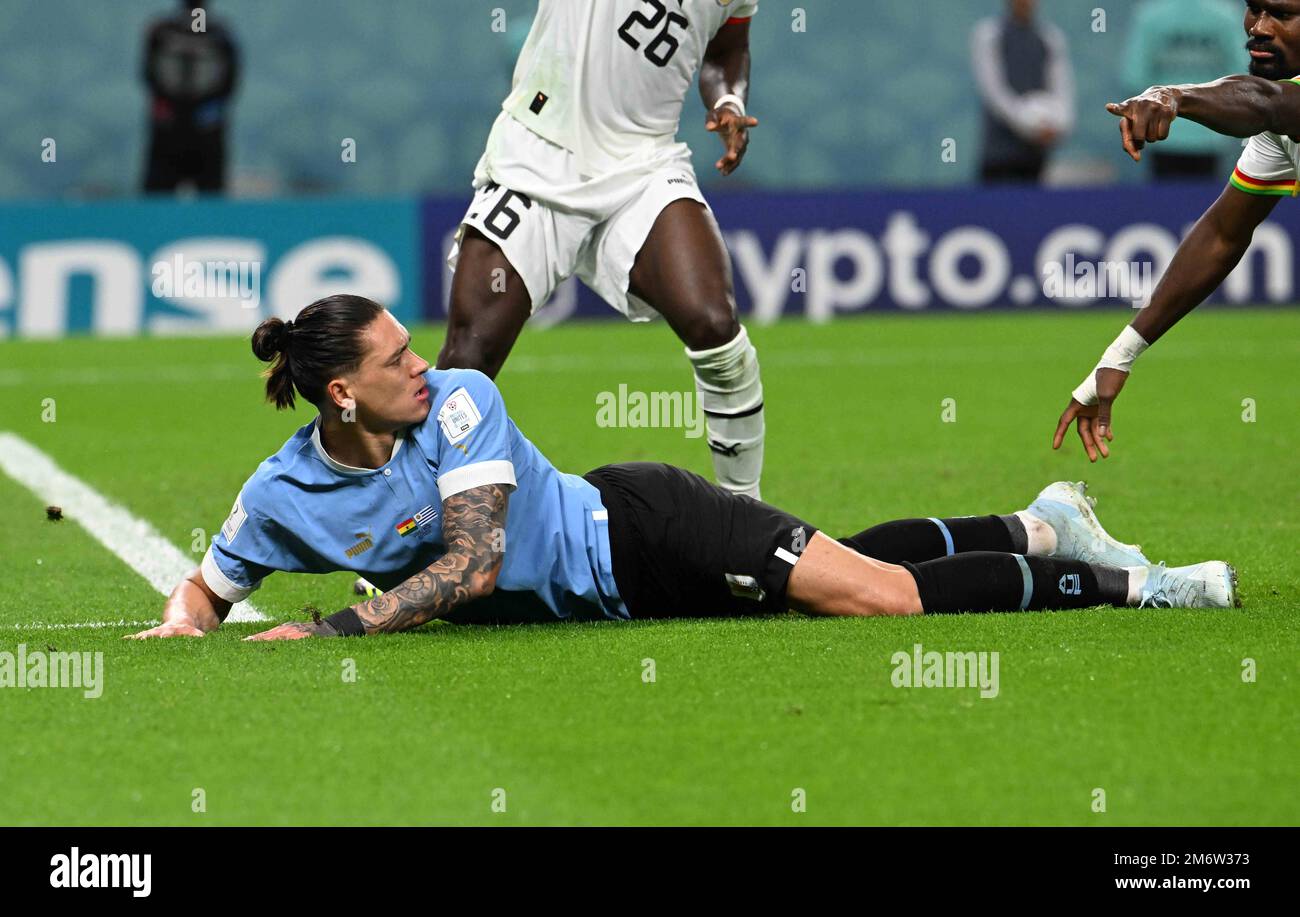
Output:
x=731 y=395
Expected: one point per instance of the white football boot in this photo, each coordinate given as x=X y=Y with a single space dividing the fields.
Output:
x=1068 y=509
x=364 y=587
x=1212 y=584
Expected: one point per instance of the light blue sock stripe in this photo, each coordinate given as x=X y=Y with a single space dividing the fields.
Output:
x=1029 y=581
x=947 y=535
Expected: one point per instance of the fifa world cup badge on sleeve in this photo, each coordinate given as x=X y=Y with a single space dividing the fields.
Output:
x=458 y=416
x=235 y=520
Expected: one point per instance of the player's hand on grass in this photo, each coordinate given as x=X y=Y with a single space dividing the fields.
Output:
x=296 y=630
x=729 y=124
x=1093 y=421
x=1145 y=119
x=168 y=629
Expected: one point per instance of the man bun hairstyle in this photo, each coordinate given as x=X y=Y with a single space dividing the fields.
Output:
x=326 y=340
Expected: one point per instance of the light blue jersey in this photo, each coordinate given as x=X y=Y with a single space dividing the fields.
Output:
x=303 y=512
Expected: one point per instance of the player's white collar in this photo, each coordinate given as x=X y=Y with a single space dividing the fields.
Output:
x=349 y=469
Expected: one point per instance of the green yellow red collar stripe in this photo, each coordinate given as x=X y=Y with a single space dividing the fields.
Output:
x=1243 y=182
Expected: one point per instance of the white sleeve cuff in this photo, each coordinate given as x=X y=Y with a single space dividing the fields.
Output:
x=459 y=480
x=219 y=583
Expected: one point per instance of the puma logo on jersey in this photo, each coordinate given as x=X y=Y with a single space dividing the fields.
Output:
x=362 y=546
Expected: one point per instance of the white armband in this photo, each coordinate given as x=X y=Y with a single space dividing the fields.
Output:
x=1119 y=355
x=734 y=100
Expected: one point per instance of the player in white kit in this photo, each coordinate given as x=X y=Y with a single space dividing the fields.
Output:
x=583 y=174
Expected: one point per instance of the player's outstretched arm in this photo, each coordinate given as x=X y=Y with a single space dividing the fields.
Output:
x=724 y=87
x=1209 y=253
x=192 y=610
x=1238 y=106
x=473 y=523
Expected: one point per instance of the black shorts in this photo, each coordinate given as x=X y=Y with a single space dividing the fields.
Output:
x=684 y=547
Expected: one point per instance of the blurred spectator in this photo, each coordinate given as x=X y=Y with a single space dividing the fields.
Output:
x=1022 y=69
x=191 y=66
x=1185 y=41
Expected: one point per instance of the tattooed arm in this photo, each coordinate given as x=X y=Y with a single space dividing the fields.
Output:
x=471 y=523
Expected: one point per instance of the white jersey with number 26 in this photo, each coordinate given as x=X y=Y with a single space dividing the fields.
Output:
x=606 y=79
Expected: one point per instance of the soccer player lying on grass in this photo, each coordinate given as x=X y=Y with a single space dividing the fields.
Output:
x=1255 y=106
x=419 y=481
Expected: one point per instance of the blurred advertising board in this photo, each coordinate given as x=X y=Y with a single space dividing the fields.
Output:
x=197 y=267
x=823 y=255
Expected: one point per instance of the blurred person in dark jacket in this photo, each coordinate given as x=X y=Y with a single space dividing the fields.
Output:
x=1022 y=69
x=191 y=66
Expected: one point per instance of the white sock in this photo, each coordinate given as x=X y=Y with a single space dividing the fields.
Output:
x=1041 y=536
x=1137 y=581
x=731 y=394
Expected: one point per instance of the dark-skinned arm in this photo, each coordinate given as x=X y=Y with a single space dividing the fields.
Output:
x=1203 y=261
x=1211 y=251
x=473 y=523
x=725 y=71
x=1237 y=106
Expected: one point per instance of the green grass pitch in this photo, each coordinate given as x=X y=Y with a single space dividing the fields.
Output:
x=1149 y=706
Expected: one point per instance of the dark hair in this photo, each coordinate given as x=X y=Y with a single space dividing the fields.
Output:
x=326 y=339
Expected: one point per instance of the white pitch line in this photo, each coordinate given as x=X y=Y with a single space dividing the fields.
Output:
x=137 y=543
x=79 y=625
